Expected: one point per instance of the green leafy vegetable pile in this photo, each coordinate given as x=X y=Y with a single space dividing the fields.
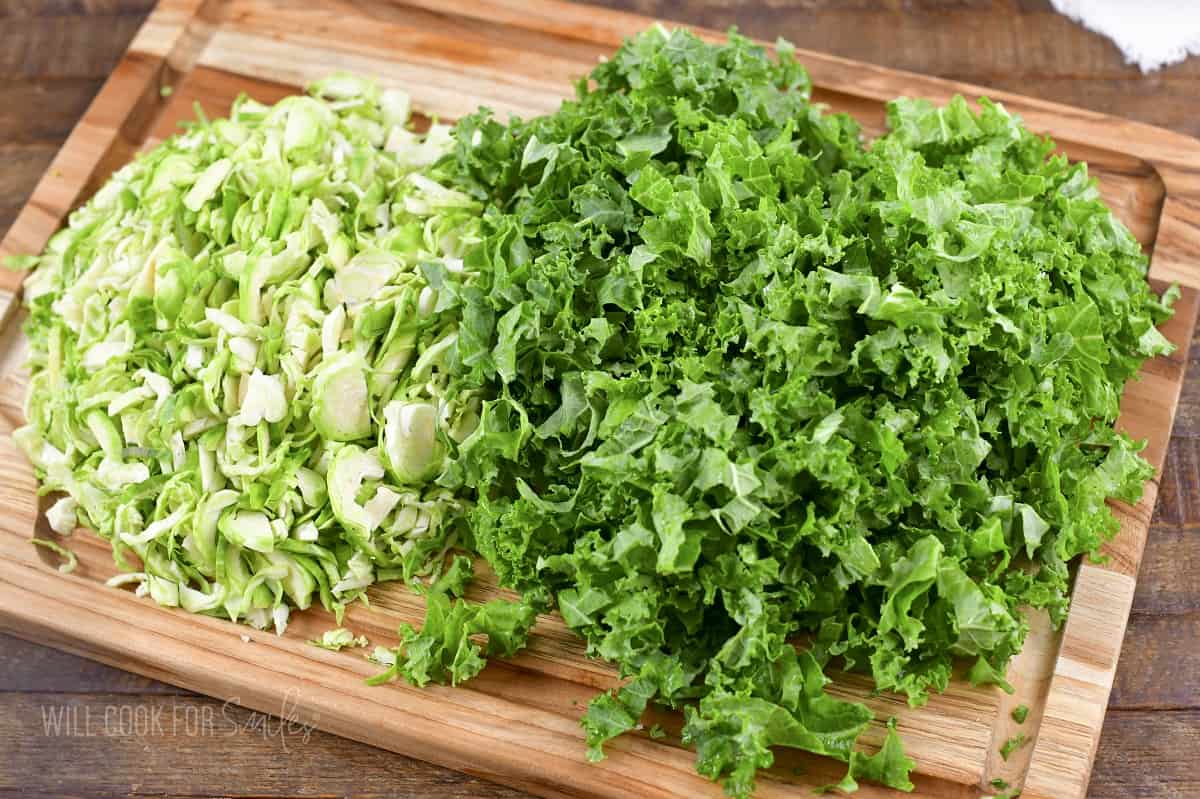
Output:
x=737 y=393
x=750 y=379
x=213 y=329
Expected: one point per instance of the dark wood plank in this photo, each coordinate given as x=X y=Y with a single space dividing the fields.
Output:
x=58 y=8
x=1148 y=755
x=1160 y=663
x=54 y=56
x=72 y=45
x=23 y=166
x=39 y=669
x=1169 y=568
x=1187 y=420
x=58 y=104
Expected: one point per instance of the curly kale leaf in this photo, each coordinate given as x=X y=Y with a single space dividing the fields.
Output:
x=748 y=379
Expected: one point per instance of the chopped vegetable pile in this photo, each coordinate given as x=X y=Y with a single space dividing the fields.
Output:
x=239 y=369
x=737 y=393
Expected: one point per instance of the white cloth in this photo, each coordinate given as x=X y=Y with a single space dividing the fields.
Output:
x=1149 y=33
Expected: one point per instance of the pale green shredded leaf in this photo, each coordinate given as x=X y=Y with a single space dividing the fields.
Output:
x=69 y=557
x=338 y=639
x=190 y=329
x=18 y=263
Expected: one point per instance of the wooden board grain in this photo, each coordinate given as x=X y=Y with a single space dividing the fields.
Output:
x=516 y=724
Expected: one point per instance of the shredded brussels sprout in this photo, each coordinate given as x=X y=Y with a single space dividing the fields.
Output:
x=239 y=364
x=338 y=639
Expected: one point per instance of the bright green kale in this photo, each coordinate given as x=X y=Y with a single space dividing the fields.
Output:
x=1012 y=744
x=749 y=379
x=444 y=650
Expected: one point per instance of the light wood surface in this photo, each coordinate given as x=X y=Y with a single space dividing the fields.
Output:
x=516 y=724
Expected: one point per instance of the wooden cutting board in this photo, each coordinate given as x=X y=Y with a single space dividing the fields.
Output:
x=517 y=723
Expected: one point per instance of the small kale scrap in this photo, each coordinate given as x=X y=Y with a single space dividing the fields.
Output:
x=747 y=379
x=447 y=649
x=1013 y=744
x=444 y=651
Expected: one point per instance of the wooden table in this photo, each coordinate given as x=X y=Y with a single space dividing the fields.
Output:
x=72 y=727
